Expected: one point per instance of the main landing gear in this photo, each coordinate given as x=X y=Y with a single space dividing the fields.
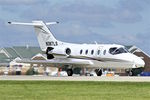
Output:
x=98 y=72
x=70 y=72
x=129 y=72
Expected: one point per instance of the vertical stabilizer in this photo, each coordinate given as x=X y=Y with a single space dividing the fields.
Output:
x=44 y=36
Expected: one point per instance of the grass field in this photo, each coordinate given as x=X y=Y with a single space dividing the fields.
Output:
x=66 y=90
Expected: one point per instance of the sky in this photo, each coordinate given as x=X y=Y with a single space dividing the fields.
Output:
x=125 y=22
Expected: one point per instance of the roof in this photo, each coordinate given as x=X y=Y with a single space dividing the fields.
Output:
x=39 y=56
x=4 y=58
x=11 y=53
x=26 y=52
x=134 y=49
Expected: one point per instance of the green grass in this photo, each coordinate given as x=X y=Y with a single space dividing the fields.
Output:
x=66 y=90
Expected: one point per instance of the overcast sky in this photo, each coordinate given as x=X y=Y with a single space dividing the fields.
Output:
x=125 y=22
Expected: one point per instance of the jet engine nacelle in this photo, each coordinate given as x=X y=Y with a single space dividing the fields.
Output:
x=59 y=52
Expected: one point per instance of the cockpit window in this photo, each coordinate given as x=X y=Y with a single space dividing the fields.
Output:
x=117 y=50
x=111 y=50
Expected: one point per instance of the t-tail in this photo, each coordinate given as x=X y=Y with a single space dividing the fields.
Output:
x=44 y=36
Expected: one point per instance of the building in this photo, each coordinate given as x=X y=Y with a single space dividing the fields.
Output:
x=140 y=53
x=9 y=54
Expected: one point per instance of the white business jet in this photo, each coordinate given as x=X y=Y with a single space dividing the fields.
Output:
x=96 y=56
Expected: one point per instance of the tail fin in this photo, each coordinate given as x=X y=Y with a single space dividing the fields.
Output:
x=44 y=36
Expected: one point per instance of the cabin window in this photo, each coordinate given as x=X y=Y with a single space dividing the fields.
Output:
x=81 y=51
x=92 y=52
x=98 y=52
x=104 y=52
x=86 y=52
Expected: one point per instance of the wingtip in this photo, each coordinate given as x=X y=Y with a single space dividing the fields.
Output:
x=9 y=22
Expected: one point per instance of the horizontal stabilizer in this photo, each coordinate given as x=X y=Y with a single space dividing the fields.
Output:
x=34 y=23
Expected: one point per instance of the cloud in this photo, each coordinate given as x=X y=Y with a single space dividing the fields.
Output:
x=20 y=2
x=61 y=13
x=133 y=5
x=94 y=15
x=141 y=40
x=88 y=15
x=98 y=13
x=16 y=35
x=144 y=41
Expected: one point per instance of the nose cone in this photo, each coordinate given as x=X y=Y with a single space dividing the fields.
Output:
x=133 y=60
x=138 y=62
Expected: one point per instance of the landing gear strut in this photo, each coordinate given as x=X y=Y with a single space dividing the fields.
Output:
x=69 y=72
x=98 y=72
x=131 y=73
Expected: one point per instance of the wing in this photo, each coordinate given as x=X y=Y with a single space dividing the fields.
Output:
x=59 y=61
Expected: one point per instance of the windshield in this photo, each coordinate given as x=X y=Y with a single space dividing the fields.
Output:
x=115 y=50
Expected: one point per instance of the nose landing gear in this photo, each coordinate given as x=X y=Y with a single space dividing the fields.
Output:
x=69 y=72
x=135 y=71
x=131 y=73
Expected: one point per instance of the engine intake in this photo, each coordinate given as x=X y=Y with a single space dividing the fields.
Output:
x=68 y=51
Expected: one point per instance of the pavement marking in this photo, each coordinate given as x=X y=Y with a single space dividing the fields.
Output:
x=78 y=78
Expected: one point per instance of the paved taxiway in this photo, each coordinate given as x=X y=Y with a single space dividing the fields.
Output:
x=79 y=78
